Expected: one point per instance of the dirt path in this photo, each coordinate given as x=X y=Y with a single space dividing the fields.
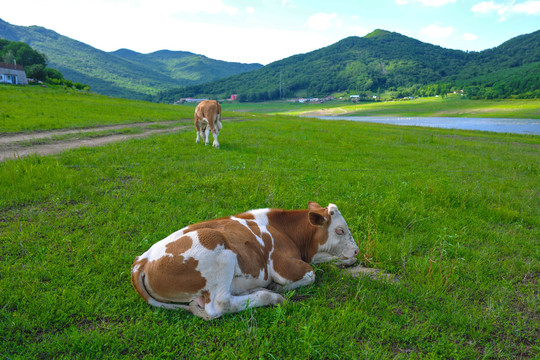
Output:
x=11 y=147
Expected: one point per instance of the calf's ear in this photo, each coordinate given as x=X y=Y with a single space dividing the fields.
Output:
x=312 y=205
x=317 y=218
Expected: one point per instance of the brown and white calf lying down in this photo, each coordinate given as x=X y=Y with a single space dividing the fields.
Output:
x=223 y=265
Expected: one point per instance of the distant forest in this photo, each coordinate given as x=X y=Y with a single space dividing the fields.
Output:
x=390 y=63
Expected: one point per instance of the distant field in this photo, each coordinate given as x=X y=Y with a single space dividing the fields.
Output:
x=33 y=108
x=452 y=106
x=455 y=214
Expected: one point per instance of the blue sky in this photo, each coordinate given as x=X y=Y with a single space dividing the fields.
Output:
x=264 y=31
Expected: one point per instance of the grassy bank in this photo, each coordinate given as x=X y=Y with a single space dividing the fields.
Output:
x=452 y=106
x=33 y=108
x=455 y=214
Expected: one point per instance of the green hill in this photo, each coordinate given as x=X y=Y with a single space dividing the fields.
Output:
x=122 y=73
x=386 y=61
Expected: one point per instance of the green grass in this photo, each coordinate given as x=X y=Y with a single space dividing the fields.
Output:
x=32 y=108
x=455 y=214
x=452 y=106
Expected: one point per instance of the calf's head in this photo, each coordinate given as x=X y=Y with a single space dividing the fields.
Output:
x=339 y=242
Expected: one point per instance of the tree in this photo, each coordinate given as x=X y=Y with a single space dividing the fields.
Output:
x=36 y=72
x=24 y=54
x=8 y=57
x=54 y=74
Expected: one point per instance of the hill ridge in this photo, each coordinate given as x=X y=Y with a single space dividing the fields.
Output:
x=118 y=73
x=387 y=61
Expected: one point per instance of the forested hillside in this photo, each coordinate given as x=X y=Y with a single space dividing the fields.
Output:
x=122 y=73
x=387 y=61
x=34 y=64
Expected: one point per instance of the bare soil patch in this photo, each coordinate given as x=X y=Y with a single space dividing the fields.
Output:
x=11 y=147
x=326 y=112
x=374 y=274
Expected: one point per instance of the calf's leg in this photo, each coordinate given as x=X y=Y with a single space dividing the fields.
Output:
x=221 y=299
x=298 y=273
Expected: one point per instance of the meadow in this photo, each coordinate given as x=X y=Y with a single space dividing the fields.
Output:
x=450 y=106
x=34 y=108
x=455 y=214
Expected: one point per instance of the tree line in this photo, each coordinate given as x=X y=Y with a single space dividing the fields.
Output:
x=34 y=64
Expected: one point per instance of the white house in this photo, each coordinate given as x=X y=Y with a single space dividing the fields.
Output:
x=12 y=74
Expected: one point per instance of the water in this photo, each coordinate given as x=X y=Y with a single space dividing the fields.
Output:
x=516 y=126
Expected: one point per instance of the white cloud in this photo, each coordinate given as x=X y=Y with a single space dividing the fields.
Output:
x=250 y=9
x=190 y=7
x=323 y=21
x=435 y=3
x=436 y=32
x=358 y=30
x=485 y=7
x=528 y=7
x=469 y=37
x=287 y=3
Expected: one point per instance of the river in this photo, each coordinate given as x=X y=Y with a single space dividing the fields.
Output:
x=516 y=126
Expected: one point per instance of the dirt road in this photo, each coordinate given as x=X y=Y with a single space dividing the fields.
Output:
x=13 y=146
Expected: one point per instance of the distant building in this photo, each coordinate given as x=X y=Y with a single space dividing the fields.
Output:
x=189 y=100
x=234 y=97
x=12 y=74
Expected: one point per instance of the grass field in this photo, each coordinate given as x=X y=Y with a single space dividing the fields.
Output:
x=456 y=214
x=32 y=108
x=452 y=106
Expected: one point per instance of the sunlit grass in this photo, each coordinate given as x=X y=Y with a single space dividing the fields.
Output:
x=32 y=108
x=455 y=214
x=452 y=106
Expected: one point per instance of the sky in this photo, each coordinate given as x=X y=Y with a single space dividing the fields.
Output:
x=264 y=31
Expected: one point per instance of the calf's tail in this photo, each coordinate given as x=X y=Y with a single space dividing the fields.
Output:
x=137 y=280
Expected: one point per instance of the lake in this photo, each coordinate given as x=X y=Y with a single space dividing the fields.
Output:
x=516 y=126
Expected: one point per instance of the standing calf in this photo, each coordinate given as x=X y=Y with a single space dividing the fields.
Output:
x=224 y=265
x=208 y=118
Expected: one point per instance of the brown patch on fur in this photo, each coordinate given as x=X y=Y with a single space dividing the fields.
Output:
x=246 y=216
x=291 y=269
x=321 y=234
x=267 y=240
x=206 y=295
x=303 y=235
x=179 y=246
x=296 y=240
x=254 y=227
x=173 y=279
x=287 y=258
x=252 y=259
x=210 y=238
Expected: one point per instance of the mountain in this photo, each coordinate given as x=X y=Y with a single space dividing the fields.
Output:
x=122 y=73
x=385 y=61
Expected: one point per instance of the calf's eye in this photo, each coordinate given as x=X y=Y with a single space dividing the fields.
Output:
x=340 y=231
